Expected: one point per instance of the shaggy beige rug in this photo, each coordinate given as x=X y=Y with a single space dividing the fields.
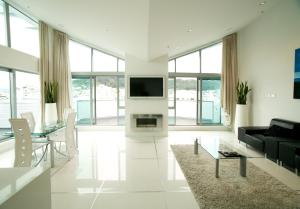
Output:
x=257 y=190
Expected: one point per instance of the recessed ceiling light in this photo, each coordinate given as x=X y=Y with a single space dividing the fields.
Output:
x=262 y=3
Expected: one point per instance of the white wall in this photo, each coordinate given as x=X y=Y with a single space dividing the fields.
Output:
x=266 y=52
x=136 y=66
x=13 y=59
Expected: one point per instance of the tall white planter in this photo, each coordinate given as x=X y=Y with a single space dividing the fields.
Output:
x=241 y=116
x=50 y=113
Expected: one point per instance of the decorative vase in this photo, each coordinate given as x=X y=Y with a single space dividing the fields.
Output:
x=50 y=113
x=241 y=116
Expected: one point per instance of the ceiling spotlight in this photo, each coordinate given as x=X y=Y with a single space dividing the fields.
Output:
x=189 y=30
x=262 y=3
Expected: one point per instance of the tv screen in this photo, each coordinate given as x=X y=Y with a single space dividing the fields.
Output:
x=146 y=86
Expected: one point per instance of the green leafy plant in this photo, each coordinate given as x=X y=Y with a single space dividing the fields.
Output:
x=242 y=91
x=50 y=90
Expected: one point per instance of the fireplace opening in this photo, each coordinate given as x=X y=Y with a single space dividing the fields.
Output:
x=146 y=122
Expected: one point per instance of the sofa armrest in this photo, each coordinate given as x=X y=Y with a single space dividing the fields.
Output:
x=254 y=129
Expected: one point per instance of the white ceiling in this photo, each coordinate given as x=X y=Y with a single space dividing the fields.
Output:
x=146 y=28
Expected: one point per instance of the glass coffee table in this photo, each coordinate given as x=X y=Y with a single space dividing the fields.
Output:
x=213 y=146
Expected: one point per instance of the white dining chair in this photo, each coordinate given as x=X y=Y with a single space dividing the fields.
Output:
x=67 y=136
x=31 y=122
x=24 y=148
x=23 y=142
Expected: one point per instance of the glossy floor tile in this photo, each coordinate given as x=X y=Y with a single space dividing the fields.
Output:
x=144 y=200
x=72 y=200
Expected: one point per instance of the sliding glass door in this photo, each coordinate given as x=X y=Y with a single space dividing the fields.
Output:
x=186 y=101
x=81 y=91
x=106 y=100
x=99 y=100
x=209 y=104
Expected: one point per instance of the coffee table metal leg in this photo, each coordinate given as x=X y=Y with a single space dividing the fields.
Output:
x=243 y=166
x=217 y=168
x=196 y=147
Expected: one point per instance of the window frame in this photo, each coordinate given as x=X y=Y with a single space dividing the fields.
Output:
x=92 y=75
x=8 y=23
x=13 y=92
x=200 y=77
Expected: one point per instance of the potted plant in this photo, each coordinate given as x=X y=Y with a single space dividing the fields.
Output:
x=242 y=108
x=50 y=90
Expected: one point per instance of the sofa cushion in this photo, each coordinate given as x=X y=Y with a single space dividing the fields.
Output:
x=256 y=141
x=278 y=131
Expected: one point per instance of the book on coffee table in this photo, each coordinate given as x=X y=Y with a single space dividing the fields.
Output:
x=230 y=154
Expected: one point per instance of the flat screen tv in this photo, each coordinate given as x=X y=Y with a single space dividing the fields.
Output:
x=146 y=87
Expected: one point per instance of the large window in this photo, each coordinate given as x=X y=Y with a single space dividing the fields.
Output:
x=121 y=65
x=28 y=94
x=24 y=33
x=211 y=59
x=3 y=39
x=19 y=92
x=5 y=107
x=103 y=62
x=188 y=64
x=80 y=57
x=98 y=86
x=194 y=87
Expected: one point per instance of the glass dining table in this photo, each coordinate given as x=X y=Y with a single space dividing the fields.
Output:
x=42 y=134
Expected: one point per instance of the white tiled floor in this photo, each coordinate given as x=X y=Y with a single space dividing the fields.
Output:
x=113 y=172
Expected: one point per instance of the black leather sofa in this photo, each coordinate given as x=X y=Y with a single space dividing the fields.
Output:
x=268 y=139
x=289 y=154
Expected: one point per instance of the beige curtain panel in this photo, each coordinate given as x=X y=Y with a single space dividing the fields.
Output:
x=45 y=67
x=229 y=77
x=54 y=66
x=61 y=71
